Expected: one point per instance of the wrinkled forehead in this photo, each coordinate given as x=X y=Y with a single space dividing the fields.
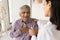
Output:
x=24 y=8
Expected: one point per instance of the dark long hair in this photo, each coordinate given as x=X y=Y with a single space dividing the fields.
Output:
x=55 y=12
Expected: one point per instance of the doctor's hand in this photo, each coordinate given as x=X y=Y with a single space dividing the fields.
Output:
x=31 y=31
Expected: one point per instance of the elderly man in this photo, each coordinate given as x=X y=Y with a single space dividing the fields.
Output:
x=20 y=30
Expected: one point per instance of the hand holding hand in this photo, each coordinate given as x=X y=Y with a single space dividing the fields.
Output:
x=31 y=31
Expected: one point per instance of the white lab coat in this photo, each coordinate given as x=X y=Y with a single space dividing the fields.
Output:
x=46 y=31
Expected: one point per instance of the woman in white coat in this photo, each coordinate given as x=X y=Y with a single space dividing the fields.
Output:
x=50 y=30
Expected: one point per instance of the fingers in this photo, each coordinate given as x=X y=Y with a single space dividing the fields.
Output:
x=31 y=31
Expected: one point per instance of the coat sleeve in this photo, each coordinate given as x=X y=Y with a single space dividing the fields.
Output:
x=33 y=37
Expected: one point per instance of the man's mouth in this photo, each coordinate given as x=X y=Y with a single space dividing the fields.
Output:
x=25 y=17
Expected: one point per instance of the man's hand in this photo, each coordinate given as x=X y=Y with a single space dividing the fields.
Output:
x=31 y=31
x=35 y=20
x=24 y=29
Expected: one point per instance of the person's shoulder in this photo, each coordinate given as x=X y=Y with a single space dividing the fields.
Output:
x=49 y=25
x=41 y=21
x=34 y=20
x=17 y=21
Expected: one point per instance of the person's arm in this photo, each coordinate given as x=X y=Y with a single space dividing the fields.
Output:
x=32 y=33
x=14 y=31
x=18 y=30
x=34 y=37
x=35 y=28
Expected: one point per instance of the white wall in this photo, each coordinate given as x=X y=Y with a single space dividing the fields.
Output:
x=0 y=0
x=5 y=15
x=14 y=6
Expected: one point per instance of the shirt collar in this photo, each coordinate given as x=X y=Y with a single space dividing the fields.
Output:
x=27 y=21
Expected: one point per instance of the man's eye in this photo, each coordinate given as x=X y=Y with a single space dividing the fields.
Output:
x=28 y=12
x=23 y=12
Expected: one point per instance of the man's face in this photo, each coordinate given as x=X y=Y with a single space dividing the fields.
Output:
x=25 y=14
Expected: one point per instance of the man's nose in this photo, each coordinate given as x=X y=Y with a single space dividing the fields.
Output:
x=26 y=14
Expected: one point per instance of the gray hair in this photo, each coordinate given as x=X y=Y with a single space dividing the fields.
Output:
x=25 y=6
